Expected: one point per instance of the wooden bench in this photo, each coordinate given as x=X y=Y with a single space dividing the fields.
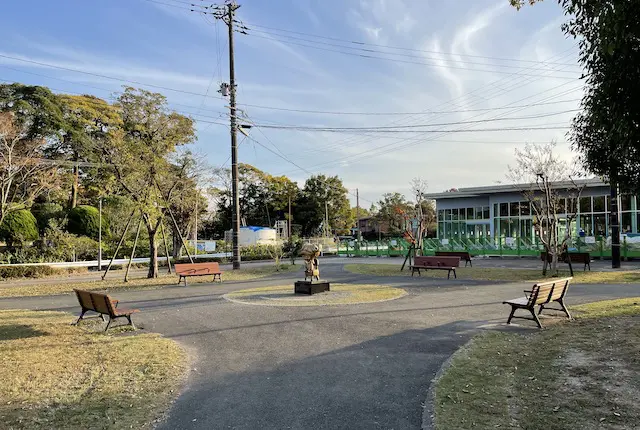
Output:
x=103 y=305
x=462 y=254
x=435 y=263
x=198 y=269
x=576 y=257
x=541 y=294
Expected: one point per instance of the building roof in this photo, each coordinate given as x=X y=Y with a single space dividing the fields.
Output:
x=510 y=188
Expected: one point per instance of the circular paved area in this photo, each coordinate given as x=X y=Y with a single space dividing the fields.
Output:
x=363 y=366
x=340 y=294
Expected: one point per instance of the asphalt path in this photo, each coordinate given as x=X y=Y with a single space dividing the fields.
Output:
x=363 y=366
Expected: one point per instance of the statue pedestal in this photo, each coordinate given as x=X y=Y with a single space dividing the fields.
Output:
x=309 y=287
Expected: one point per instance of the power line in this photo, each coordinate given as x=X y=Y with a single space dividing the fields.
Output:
x=377 y=51
x=400 y=127
x=412 y=49
x=396 y=60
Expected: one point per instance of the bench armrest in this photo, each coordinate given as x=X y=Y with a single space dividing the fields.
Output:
x=527 y=293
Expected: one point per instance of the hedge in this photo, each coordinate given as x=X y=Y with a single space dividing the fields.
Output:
x=85 y=220
x=19 y=227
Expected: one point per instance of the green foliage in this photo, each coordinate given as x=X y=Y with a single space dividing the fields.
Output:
x=319 y=191
x=390 y=213
x=85 y=221
x=45 y=213
x=292 y=248
x=19 y=227
x=12 y=272
x=606 y=131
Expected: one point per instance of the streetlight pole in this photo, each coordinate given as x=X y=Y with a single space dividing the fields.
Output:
x=100 y=234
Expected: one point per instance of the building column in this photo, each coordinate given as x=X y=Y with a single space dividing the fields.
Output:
x=634 y=214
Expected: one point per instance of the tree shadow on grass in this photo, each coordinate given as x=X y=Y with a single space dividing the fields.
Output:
x=18 y=331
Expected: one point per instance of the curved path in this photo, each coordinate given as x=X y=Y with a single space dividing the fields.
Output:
x=363 y=366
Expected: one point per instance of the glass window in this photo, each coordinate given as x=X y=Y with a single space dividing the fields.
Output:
x=586 y=224
x=496 y=226
x=447 y=215
x=504 y=209
x=486 y=212
x=514 y=208
x=607 y=203
x=625 y=226
x=496 y=212
x=441 y=232
x=598 y=204
x=585 y=205
x=470 y=213
x=478 y=213
x=525 y=209
x=454 y=214
x=625 y=202
x=526 y=230
x=571 y=206
x=562 y=206
x=463 y=214
x=599 y=225
x=514 y=227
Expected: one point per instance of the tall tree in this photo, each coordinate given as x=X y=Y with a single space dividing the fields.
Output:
x=606 y=131
x=392 y=210
x=551 y=188
x=30 y=118
x=88 y=122
x=141 y=160
x=319 y=196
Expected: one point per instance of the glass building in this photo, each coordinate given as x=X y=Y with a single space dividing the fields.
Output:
x=485 y=213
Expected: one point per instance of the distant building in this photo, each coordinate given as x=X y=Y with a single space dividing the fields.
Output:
x=501 y=210
x=369 y=226
x=252 y=235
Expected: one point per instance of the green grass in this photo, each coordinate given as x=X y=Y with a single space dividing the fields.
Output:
x=117 y=284
x=497 y=274
x=584 y=375
x=58 y=376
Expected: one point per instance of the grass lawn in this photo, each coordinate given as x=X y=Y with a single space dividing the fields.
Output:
x=583 y=374
x=58 y=376
x=497 y=274
x=113 y=283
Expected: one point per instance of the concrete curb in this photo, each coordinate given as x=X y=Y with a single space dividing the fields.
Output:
x=428 y=411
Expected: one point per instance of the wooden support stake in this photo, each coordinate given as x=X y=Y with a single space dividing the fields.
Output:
x=181 y=238
x=126 y=228
x=166 y=247
x=133 y=251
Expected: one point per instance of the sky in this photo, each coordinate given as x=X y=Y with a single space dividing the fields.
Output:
x=467 y=81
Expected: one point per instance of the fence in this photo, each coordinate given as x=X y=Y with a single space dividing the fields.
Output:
x=498 y=247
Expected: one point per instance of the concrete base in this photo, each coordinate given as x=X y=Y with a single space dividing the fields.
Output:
x=309 y=287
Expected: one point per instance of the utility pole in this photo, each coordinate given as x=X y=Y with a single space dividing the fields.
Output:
x=614 y=224
x=290 y=219
x=195 y=230
x=358 y=214
x=100 y=234
x=227 y=17
x=326 y=219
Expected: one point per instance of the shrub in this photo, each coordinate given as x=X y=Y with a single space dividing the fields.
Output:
x=45 y=212
x=292 y=248
x=26 y=272
x=18 y=228
x=84 y=221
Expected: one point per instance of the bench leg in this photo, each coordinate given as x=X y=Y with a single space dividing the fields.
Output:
x=535 y=317
x=541 y=309
x=185 y=281
x=179 y=280
x=108 y=324
x=80 y=317
x=130 y=322
x=513 y=311
x=564 y=308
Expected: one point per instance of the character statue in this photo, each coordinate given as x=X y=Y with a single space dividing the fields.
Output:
x=310 y=253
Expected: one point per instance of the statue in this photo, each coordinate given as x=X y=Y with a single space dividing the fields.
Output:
x=310 y=253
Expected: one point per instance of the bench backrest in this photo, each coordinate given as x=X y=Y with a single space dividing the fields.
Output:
x=96 y=302
x=197 y=268
x=545 y=292
x=462 y=254
x=438 y=261
x=580 y=257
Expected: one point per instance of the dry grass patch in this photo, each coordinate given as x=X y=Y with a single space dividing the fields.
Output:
x=340 y=294
x=117 y=283
x=58 y=376
x=583 y=374
x=498 y=274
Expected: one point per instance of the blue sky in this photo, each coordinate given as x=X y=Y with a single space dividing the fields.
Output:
x=477 y=54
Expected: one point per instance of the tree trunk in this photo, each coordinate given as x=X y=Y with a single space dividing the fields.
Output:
x=177 y=243
x=153 y=254
x=554 y=262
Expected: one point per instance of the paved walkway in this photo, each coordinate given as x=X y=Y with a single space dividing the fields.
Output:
x=362 y=366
